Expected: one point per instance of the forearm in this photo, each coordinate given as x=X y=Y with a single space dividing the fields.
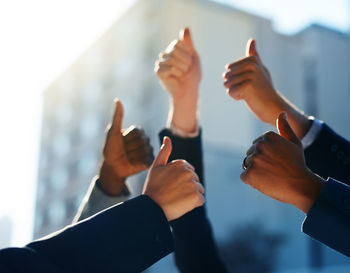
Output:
x=183 y=112
x=111 y=241
x=97 y=200
x=329 y=155
x=299 y=122
x=195 y=248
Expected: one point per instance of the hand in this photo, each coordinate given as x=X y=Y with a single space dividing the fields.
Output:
x=125 y=153
x=178 y=69
x=275 y=166
x=249 y=80
x=174 y=186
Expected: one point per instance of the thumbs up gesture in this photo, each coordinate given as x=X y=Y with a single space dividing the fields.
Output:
x=178 y=67
x=173 y=186
x=125 y=153
x=275 y=166
x=249 y=80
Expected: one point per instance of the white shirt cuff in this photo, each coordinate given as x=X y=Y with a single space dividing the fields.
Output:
x=313 y=132
x=181 y=133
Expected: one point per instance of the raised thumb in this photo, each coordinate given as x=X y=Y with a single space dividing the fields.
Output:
x=164 y=153
x=251 y=48
x=185 y=35
x=285 y=130
x=118 y=115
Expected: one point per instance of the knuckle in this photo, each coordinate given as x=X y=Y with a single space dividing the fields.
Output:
x=252 y=66
x=196 y=198
x=261 y=146
x=177 y=43
x=269 y=135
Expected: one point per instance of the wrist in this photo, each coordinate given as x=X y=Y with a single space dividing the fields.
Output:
x=299 y=122
x=313 y=187
x=183 y=113
x=109 y=181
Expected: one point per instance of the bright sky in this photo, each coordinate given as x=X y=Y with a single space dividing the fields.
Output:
x=40 y=38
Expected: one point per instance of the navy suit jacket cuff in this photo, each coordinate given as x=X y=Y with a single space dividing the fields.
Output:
x=328 y=220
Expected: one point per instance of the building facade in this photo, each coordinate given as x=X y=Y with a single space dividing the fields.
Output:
x=310 y=68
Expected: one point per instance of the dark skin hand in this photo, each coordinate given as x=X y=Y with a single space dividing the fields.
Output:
x=125 y=153
x=275 y=165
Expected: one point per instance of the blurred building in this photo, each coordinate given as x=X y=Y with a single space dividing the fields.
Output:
x=311 y=68
x=6 y=227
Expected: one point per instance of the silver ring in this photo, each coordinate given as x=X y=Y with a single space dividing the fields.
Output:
x=244 y=166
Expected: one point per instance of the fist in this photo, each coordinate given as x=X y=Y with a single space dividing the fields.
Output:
x=275 y=166
x=173 y=186
x=178 y=67
x=125 y=153
x=249 y=80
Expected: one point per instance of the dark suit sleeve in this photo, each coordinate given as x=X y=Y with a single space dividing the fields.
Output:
x=128 y=237
x=329 y=155
x=195 y=249
x=328 y=221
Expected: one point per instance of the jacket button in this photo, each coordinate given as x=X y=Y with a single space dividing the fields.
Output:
x=334 y=148
x=340 y=154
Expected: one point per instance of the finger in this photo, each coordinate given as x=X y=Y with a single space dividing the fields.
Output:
x=285 y=130
x=133 y=133
x=178 y=63
x=258 y=139
x=242 y=61
x=237 y=79
x=118 y=115
x=200 y=200
x=141 y=142
x=181 y=163
x=180 y=54
x=247 y=66
x=143 y=161
x=195 y=176
x=251 y=149
x=164 y=153
x=236 y=91
x=166 y=70
x=244 y=176
x=200 y=187
x=251 y=48
x=185 y=35
x=140 y=154
x=248 y=160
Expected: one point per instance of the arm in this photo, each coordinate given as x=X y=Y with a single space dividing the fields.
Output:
x=195 y=248
x=128 y=237
x=179 y=72
x=125 y=153
x=111 y=241
x=329 y=155
x=249 y=80
x=326 y=153
x=328 y=220
x=275 y=166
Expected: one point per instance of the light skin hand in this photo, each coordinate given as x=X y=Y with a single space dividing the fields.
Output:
x=249 y=80
x=125 y=153
x=173 y=186
x=179 y=72
x=275 y=165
